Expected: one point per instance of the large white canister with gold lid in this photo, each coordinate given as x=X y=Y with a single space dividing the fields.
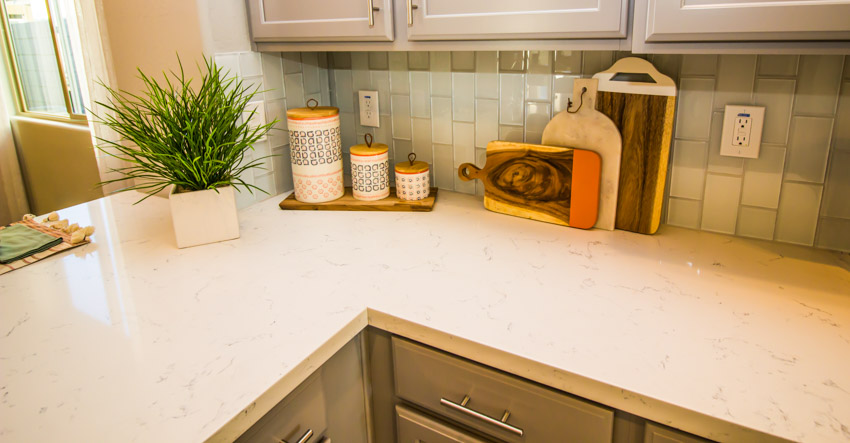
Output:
x=370 y=175
x=316 y=148
x=412 y=179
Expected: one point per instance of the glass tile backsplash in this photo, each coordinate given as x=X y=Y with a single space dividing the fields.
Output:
x=446 y=106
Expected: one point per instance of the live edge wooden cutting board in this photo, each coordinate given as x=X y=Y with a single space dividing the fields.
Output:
x=546 y=183
x=641 y=102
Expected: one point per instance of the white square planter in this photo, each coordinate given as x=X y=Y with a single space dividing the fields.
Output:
x=202 y=217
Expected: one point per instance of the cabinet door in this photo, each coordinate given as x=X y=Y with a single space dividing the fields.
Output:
x=747 y=20
x=659 y=434
x=322 y=20
x=512 y=19
x=418 y=428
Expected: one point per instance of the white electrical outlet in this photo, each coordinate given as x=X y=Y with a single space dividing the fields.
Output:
x=742 y=126
x=369 y=109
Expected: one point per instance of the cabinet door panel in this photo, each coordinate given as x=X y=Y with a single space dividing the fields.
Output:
x=741 y=20
x=417 y=428
x=504 y=19
x=320 y=20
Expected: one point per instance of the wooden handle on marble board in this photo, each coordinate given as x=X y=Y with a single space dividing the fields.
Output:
x=468 y=171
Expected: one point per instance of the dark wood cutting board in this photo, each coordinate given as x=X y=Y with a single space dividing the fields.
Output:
x=546 y=183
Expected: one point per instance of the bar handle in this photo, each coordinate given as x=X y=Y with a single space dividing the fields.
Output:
x=502 y=423
x=304 y=438
x=372 y=9
x=410 y=8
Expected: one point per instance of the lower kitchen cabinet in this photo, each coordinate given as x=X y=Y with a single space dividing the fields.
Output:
x=414 y=427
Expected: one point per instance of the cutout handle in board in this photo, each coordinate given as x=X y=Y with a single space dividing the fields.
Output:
x=632 y=75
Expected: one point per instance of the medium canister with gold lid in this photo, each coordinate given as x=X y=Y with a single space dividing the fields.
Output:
x=412 y=179
x=314 y=140
x=370 y=176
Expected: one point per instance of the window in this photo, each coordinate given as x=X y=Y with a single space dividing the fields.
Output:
x=45 y=54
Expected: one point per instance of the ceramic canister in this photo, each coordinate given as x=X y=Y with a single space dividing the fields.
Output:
x=412 y=179
x=370 y=175
x=316 y=147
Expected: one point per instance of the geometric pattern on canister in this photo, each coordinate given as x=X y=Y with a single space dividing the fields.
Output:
x=316 y=152
x=412 y=187
x=370 y=178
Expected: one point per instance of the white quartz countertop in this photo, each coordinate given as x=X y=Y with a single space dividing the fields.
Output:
x=132 y=339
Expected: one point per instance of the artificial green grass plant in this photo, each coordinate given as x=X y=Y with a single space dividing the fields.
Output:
x=174 y=134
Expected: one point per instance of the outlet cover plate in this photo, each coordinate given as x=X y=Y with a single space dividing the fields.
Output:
x=369 y=108
x=730 y=129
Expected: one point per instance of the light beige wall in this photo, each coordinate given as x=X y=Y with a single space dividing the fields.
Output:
x=57 y=161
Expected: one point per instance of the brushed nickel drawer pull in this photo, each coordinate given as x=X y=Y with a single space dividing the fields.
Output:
x=503 y=423
x=304 y=438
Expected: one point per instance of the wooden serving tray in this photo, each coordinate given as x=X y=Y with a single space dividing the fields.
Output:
x=348 y=203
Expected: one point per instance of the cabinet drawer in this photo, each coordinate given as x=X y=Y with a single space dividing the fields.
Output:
x=661 y=434
x=302 y=410
x=440 y=382
x=414 y=427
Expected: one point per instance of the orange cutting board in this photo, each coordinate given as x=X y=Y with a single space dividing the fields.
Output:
x=546 y=183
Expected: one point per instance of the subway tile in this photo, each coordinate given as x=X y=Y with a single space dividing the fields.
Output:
x=464 y=143
x=716 y=162
x=510 y=93
x=687 y=178
x=699 y=64
x=378 y=60
x=403 y=148
x=420 y=94
x=361 y=79
x=720 y=204
x=263 y=152
x=537 y=87
x=797 y=218
x=480 y=161
x=282 y=169
x=567 y=62
x=537 y=115
x=842 y=121
x=272 y=76
x=596 y=61
x=763 y=177
x=384 y=132
x=756 y=223
x=441 y=120
x=291 y=62
x=735 y=77
x=694 y=114
x=817 y=89
x=401 y=116
x=511 y=133
x=347 y=130
x=381 y=83
x=341 y=60
x=562 y=91
x=486 y=75
x=834 y=233
x=360 y=60
x=683 y=212
x=294 y=91
x=441 y=61
x=265 y=182
x=310 y=70
x=344 y=92
x=486 y=121
x=276 y=109
x=776 y=95
x=422 y=138
x=399 y=77
x=254 y=84
x=808 y=149
x=540 y=62
x=463 y=61
x=441 y=77
x=463 y=96
x=255 y=115
x=667 y=64
x=444 y=171
x=836 y=198
x=397 y=61
x=316 y=96
x=464 y=187
x=418 y=60
x=229 y=64
x=511 y=61
x=778 y=65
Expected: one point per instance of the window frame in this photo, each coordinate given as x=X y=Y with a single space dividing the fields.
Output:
x=14 y=72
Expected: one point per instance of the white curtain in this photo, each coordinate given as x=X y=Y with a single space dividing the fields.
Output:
x=98 y=62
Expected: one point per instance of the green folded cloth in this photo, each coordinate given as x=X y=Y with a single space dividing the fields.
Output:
x=20 y=241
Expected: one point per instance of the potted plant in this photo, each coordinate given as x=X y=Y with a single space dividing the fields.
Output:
x=190 y=137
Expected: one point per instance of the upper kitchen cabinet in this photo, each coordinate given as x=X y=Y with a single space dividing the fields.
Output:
x=511 y=19
x=328 y=20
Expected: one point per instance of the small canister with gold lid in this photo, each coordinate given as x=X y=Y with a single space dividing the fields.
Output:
x=412 y=179
x=316 y=148
x=370 y=176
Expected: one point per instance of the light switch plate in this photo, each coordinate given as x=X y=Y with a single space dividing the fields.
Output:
x=369 y=109
x=742 y=127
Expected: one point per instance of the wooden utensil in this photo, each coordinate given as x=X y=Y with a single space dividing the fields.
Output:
x=546 y=183
x=642 y=102
x=583 y=127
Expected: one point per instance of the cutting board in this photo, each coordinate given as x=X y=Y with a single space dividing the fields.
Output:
x=546 y=183
x=583 y=127
x=641 y=102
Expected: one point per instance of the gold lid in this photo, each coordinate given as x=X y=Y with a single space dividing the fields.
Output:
x=411 y=166
x=314 y=111
x=369 y=148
